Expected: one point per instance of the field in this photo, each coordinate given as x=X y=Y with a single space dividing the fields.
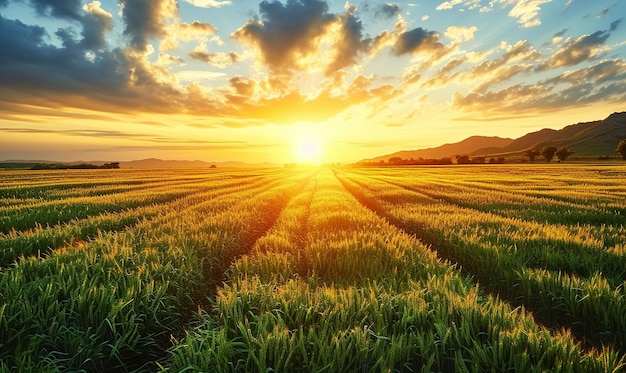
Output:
x=478 y=268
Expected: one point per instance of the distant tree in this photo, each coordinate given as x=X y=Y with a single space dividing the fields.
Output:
x=111 y=165
x=531 y=154
x=463 y=159
x=621 y=149
x=479 y=160
x=212 y=166
x=395 y=160
x=562 y=154
x=547 y=152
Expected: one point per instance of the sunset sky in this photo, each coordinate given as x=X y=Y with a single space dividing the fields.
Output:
x=298 y=80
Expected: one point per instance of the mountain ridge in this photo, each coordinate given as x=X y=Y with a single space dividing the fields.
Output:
x=594 y=138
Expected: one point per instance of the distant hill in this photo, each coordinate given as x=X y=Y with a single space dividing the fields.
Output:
x=144 y=163
x=597 y=138
x=467 y=146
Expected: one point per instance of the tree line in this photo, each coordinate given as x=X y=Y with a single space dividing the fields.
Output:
x=547 y=152
x=82 y=166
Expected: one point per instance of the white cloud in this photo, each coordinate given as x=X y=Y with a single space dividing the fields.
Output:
x=209 y=3
x=461 y=34
x=526 y=11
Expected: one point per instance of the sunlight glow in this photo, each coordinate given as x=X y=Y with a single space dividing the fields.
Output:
x=308 y=152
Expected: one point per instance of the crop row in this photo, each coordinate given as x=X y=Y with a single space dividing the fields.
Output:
x=41 y=241
x=558 y=200
x=114 y=302
x=571 y=276
x=332 y=286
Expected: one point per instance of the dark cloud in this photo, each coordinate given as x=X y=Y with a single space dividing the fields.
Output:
x=287 y=31
x=45 y=75
x=144 y=20
x=388 y=10
x=416 y=40
x=615 y=25
x=19 y=41
x=67 y=9
x=350 y=43
x=96 y=24
x=27 y=61
x=576 y=51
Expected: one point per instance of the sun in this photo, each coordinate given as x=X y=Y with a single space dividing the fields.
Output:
x=308 y=151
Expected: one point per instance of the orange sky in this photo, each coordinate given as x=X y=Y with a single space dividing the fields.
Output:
x=298 y=80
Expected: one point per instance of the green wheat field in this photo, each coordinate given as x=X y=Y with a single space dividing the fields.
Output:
x=518 y=268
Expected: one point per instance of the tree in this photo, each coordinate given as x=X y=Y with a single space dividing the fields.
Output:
x=395 y=160
x=547 y=152
x=621 y=149
x=463 y=159
x=562 y=154
x=531 y=154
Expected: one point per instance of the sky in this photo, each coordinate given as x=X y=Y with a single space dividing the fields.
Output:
x=298 y=80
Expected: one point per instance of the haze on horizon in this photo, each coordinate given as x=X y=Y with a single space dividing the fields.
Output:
x=297 y=80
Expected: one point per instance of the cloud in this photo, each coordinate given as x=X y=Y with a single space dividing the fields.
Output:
x=522 y=50
x=287 y=34
x=219 y=59
x=349 y=41
x=602 y=72
x=602 y=82
x=302 y=35
x=66 y=9
x=416 y=41
x=469 y=4
x=388 y=10
x=209 y=3
x=575 y=51
x=95 y=26
x=603 y=13
x=146 y=19
x=189 y=30
x=526 y=11
x=460 y=34
x=615 y=25
x=108 y=80
x=447 y=5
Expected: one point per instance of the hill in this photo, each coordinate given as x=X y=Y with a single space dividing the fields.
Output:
x=467 y=146
x=586 y=139
x=143 y=163
x=597 y=138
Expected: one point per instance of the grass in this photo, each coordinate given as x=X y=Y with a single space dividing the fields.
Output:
x=402 y=269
